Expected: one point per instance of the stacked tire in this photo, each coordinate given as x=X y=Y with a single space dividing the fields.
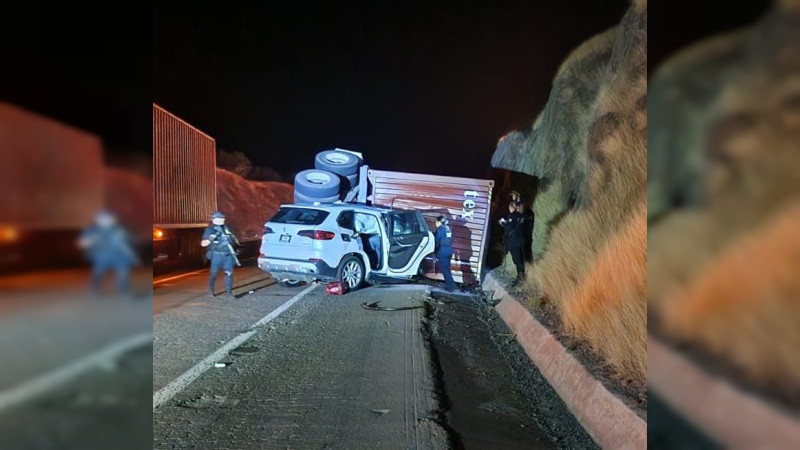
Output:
x=335 y=173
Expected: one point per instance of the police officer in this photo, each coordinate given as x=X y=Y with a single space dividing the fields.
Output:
x=444 y=250
x=219 y=240
x=514 y=227
x=109 y=247
x=516 y=199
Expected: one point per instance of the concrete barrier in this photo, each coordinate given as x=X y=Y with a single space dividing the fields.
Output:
x=609 y=422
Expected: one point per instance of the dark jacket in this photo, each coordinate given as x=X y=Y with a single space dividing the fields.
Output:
x=110 y=244
x=443 y=238
x=220 y=236
x=514 y=229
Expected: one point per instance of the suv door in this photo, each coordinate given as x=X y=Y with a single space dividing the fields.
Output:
x=405 y=236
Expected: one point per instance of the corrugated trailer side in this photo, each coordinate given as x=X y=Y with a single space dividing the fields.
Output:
x=51 y=174
x=184 y=187
x=466 y=202
x=184 y=177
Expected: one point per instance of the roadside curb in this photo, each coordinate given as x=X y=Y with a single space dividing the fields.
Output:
x=729 y=416
x=609 y=422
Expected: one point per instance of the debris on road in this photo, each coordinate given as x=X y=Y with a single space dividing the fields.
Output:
x=374 y=307
x=381 y=411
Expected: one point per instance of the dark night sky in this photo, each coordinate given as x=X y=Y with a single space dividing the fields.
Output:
x=426 y=88
x=94 y=73
x=416 y=86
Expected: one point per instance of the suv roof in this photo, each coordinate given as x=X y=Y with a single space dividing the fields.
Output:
x=340 y=206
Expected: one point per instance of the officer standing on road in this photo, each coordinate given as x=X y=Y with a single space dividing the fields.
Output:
x=444 y=251
x=219 y=240
x=109 y=247
x=514 y=226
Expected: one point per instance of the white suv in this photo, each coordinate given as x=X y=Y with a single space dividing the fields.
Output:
x=352 y=243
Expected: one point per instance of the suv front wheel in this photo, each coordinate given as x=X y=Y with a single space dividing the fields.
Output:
x=351 y=272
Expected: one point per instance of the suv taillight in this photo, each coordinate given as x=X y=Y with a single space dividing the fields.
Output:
x=317 y=235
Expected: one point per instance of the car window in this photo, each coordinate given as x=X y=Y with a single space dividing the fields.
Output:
x=405 y=223
x=345 y=220
x=300 y=216
x=423 y=226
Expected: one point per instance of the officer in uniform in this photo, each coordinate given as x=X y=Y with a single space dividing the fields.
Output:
x=514 y=226
x=219 y=240
x=109 y=247
x=444 y=251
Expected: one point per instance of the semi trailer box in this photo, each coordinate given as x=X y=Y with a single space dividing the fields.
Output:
x=51 y=187
x=466 y=203
x=184 y=187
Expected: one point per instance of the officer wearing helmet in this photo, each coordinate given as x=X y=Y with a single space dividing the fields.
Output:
x=109 y=247
x=219 y=242
x=444 y=250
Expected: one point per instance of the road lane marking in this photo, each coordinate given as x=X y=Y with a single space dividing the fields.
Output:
x=164 y=394
x=279 y=310
x=42 y=384
x=176 y=277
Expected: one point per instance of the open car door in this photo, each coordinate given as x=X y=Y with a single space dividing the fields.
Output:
x=410 y=241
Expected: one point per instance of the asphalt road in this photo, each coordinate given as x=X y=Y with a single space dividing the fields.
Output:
x=301 y=369
x=76 y=368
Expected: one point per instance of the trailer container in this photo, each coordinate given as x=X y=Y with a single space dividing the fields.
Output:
x=184 y=187
x=466 y=203
x=51 y=186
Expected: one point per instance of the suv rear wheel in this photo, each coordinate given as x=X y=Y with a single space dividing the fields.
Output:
x=351 y=272
x=291 y=283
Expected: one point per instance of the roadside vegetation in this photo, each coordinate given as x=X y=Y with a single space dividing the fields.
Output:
x=588 y=148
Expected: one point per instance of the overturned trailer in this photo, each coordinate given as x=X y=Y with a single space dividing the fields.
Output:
x=466 y=203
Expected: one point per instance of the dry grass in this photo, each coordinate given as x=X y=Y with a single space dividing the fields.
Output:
x=593 y=267
x=589 y=149
x=744 y=306
x=608 y=309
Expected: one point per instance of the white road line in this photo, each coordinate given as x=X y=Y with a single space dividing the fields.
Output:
x=279 y=310
x=37 y=386
x=176 y=277
x=170 y=390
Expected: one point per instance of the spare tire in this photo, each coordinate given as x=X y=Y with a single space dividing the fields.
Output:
x=317 y=183
x=338 y=162
x=300 y=198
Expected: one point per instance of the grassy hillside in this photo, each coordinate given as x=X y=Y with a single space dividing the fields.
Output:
x=588 y=147
x=723 y=190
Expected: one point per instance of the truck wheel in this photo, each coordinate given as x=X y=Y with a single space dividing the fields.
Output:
x=300 y=198
x=314 y=183
x=351 y=272
x=340 y=163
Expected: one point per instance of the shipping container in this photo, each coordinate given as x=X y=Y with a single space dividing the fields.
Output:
x=466 y=203
x=51 y=174
x=184 y=186
x=51 y=187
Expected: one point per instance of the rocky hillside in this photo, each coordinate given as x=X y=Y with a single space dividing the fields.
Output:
x=588 y=149
x=248 y=204
x=130 y=196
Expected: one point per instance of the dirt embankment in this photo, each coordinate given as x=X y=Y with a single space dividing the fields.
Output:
x=588 y=150
x=130 y=196
x=248 y=204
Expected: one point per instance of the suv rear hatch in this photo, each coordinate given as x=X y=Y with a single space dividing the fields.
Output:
x=290 y=233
